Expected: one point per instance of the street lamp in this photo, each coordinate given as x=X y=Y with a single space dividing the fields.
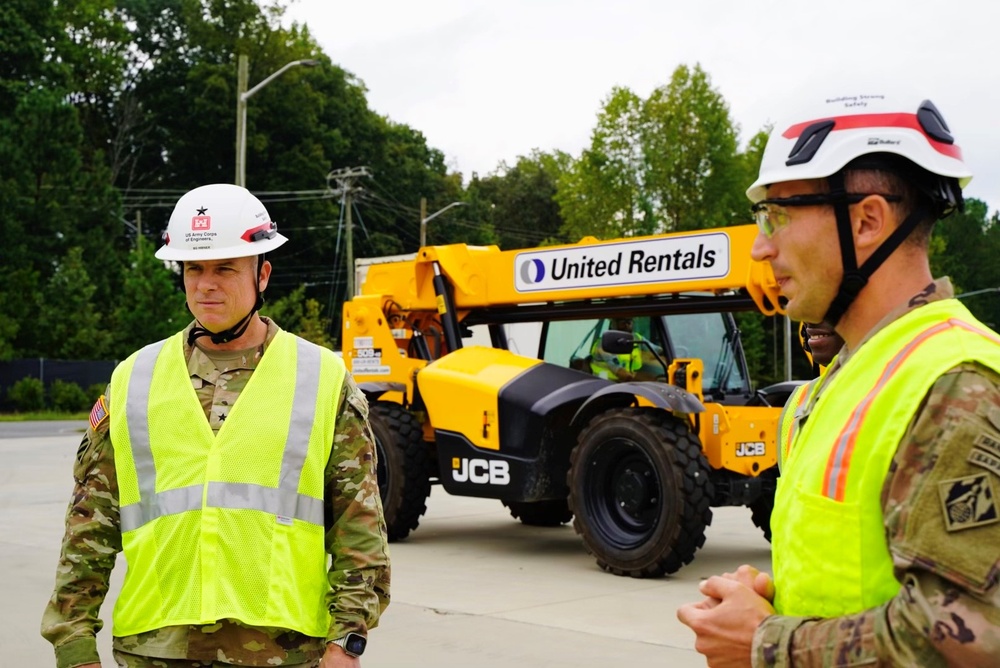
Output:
x=242 y=95
x=976 y=292
x=424 y=221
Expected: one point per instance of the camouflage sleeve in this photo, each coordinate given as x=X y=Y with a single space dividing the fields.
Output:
x=90 y=545
x=943 y=526
x=356 y=537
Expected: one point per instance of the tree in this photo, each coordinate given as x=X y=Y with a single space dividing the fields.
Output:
x=68 y=325
x=519 y=201
x=604 y=193
x=690 y=147
x=297 y=314
x=666 y=163
x=965 y=247
x=18 y=300
x=152 y=305
x=56 y=196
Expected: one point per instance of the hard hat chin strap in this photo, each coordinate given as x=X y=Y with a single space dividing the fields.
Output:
x=237 y=330
x=856 y=278
x=226 y=335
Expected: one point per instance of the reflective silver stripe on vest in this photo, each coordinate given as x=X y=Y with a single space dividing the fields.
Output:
x=170 y=502
x=283 y=501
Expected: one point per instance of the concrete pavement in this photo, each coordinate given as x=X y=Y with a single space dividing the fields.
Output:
x=471 y=586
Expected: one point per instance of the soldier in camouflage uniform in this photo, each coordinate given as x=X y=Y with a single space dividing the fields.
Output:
x=930 y=519
x=222 y=351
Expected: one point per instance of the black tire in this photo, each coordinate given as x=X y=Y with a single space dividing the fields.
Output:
x=548 y=513
x=640 y=491
x=761 y=509
x=403 y=464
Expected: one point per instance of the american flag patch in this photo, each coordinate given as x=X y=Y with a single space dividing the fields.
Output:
x=99 y=413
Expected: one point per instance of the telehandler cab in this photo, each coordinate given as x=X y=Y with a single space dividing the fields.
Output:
x=557 y=431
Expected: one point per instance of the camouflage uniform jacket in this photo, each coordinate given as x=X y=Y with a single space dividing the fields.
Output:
x=355 y=537
x=948 y=609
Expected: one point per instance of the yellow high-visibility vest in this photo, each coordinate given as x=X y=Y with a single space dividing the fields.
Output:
x=227 y=525
x=786 y=422
x=631 y=361
x=829 y=550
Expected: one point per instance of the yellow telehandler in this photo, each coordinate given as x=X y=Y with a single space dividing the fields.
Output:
x=602 y=382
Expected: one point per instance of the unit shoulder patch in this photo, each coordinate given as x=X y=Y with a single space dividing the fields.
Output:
x=99 y=413
x=968 y=502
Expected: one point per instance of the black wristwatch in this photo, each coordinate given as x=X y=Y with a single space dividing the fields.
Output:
x=353 y=644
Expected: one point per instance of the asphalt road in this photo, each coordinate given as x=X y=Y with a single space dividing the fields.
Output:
x=471 y=586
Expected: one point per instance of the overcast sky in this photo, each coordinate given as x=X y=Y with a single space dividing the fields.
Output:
x=488 y=81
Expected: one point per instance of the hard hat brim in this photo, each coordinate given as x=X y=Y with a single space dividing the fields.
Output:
x=245 y=249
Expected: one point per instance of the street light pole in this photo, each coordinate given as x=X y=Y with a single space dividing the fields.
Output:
x=424 y=221
x=976 y=292
x=242 y=95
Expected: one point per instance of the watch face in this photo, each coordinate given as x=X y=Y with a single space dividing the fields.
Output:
x=355 y=644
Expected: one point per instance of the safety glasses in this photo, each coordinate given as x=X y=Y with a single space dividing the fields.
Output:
x=772 y=214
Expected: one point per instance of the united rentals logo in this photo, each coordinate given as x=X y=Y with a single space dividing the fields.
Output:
x=692 y=257
x=532 y=271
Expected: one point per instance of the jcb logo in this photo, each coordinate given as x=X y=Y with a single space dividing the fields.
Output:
x=480 y=471
x=750 y=449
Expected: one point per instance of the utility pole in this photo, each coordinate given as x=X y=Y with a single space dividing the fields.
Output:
x=242 y=95
x=345 y=179
x=242 y=74
x=423 y=225
x=138 y=233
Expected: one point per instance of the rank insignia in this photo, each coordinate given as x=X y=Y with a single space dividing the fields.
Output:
x=987 y=442
x=986 y=460
x=968 y=502
x=99 y=413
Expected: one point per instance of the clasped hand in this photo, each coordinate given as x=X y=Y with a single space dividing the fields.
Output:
x=725 y=621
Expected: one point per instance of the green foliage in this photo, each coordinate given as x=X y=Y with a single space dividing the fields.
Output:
x=299 y=315
x=67 y=397
x=69 y=327
x=111 y=110
x=27 y=394
x=669 y=162
x=604 y=193
x=17 y=308
x=755 y=349
x=94 y=392
x=518 y=201
x=152 y=305
x=690 y=143
x=965 y=247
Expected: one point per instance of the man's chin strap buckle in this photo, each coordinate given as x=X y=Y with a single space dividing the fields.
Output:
x=226 y=335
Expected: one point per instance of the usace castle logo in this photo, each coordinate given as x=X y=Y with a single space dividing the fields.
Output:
x=201 y=222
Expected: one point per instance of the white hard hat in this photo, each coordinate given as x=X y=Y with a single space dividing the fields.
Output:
x=218 y=222
x=821 y=140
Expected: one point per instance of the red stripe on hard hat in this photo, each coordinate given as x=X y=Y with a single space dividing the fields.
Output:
x=873 y=121
x=248 y=235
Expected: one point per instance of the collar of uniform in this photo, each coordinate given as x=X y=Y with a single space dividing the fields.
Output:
x=205 y=365
x=939 y=289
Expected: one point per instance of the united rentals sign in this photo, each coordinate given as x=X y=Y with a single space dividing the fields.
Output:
x=688 y=258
